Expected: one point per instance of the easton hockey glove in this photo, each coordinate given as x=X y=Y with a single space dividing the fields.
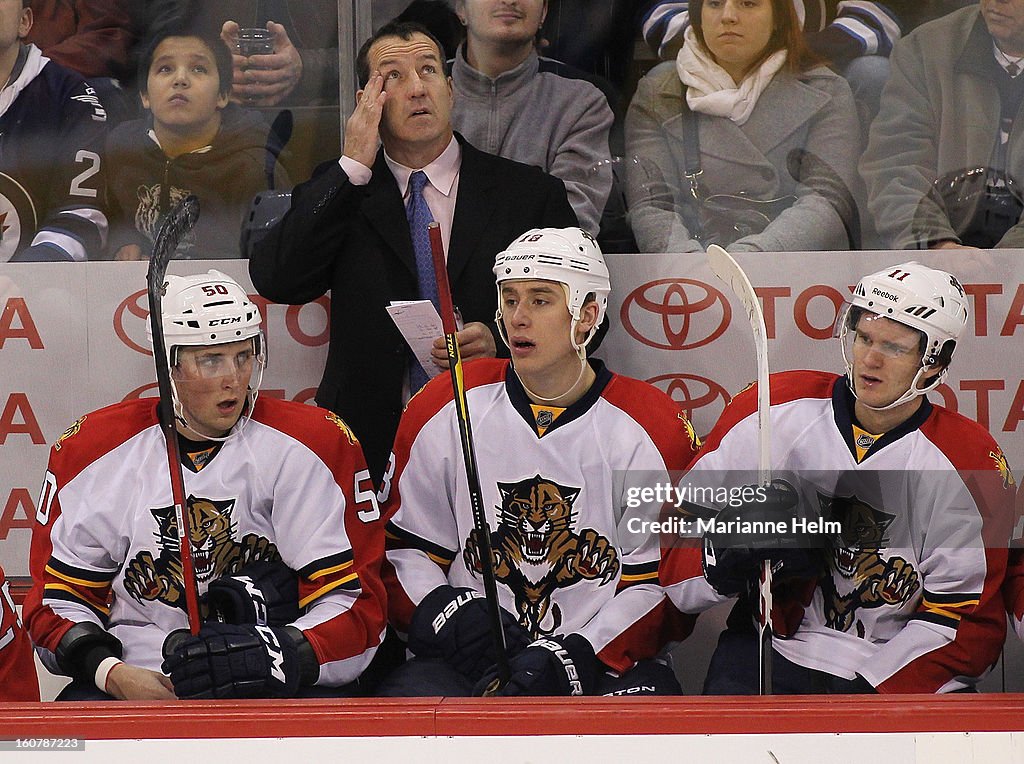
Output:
x=263 y=593
x=733 y=552
x=562 y=666
x=453 y=624
x=228 y=661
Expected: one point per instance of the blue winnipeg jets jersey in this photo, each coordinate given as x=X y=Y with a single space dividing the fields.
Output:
x=51 y=172
x=571 y=553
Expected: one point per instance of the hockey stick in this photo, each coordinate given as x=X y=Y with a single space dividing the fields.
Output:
x=177 y=223
x=729 y=271
x=451 y=342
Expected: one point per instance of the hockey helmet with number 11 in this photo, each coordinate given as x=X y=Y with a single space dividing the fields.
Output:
x=569 y=256
x=209 y=309
x=931 y=301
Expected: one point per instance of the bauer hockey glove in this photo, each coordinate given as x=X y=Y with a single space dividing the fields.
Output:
x=734 y=549
x=562 y=666
x=263 y=593
x=453 y=624
x=228 y=661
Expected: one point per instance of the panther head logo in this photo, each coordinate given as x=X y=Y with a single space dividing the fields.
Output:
x=863 y=530
x=534 y=510
x=211 y=533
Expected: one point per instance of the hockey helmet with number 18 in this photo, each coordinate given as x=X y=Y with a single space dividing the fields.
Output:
x=931 y=301
x=209 y=309
x=569 y=256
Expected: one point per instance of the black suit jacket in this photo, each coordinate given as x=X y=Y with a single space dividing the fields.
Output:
x=354 y=241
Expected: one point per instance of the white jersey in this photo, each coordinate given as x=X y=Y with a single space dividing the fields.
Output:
x=910 y=600
x=283 y=486
x=556 y=496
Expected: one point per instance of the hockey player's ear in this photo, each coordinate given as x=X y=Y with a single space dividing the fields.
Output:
x=25 y=23
x=588 y=317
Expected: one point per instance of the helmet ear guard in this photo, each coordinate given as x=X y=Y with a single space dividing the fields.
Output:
x=569 y=256
x=930 y=301
x=209 y=309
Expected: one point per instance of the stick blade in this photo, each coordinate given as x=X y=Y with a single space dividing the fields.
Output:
x=178 y=222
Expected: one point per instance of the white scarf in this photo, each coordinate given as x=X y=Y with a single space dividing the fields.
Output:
x=711 y=89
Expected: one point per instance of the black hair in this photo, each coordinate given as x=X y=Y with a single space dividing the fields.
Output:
x=221 y=55
x=402 y=29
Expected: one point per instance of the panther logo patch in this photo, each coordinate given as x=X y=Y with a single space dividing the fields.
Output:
x=214 y=552
x=338 y=422
x=871 y=580
x=536 y=550
x=72 y=430
x=1003 y=467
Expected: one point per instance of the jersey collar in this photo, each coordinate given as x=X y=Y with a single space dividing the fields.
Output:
x=521 y=401
x=842 y=410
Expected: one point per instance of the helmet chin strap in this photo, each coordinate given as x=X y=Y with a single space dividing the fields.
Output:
x=536 y=396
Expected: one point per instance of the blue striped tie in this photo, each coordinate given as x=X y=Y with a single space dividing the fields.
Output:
x=419 y=215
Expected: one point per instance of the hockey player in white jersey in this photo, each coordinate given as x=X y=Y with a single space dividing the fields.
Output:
x=557 y=440
x=285 y=532
x=901 y=592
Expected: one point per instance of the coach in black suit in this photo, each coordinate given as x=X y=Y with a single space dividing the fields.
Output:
x=347 y=230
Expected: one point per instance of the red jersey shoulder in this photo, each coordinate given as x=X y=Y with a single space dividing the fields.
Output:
x=438 y=393
x=965 y=443
x=311 y=425
x=654 y=410
x=99 y=432
x=786 y=387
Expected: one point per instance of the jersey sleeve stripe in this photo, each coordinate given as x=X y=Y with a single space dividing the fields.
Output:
x=348 y=582
x=932 y=600
x=399 y=538
x=78 y=576
x=67 y=594
x=326 y=565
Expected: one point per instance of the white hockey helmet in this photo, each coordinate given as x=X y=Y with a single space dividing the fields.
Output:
x=569 y=256
x=209 y=309
x=931 y=301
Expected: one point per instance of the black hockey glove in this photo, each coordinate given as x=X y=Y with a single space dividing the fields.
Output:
x=562 y=666
x=263 y=593
x=229 y=661
x=453 y=624
x=733 y=554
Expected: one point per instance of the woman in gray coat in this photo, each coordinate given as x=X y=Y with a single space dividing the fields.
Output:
x=772 y=123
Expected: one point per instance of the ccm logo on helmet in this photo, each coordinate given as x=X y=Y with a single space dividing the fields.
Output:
x=224 y=321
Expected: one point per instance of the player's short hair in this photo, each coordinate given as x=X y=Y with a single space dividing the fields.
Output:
x=220 y=51
x=402 y=29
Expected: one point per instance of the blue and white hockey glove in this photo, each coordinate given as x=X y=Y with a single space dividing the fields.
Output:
x=263 y=593
x=453 y=624
x=732 y=555
x=559 y=666
x=228 y=661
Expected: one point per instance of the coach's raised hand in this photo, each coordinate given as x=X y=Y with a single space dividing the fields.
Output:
x=362 y=129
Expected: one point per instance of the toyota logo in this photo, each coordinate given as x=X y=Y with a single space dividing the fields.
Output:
x=692 y=393
x=133 y=333
x=675 y=314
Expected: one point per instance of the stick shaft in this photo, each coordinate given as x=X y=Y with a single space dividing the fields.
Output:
x=448 y=322
x=178 y=221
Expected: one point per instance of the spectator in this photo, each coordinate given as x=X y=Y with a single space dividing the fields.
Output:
x=951 y=109
x=559 y=443
x=277 y=492
x=51 y=174
x=349 y=230
x=511 y=102
x=193 y=142
x=303 y=68
x=772 y=126
x=93 y=37
x=902 y=594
